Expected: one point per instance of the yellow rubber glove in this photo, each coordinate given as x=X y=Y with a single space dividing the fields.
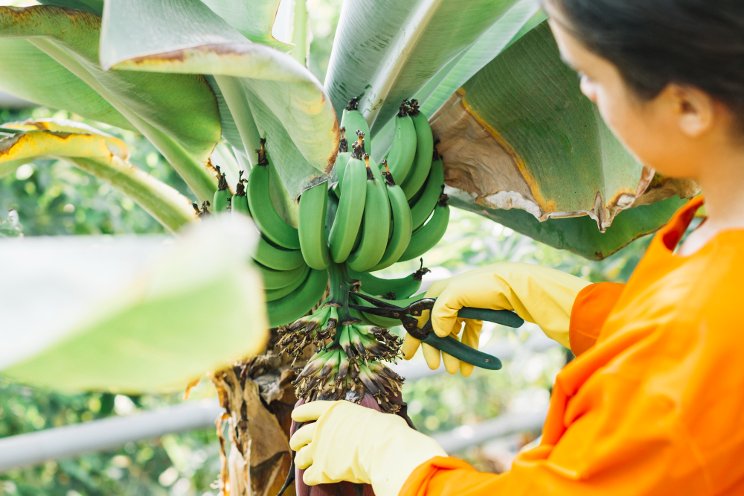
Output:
x=348 y=442
x=537 y=294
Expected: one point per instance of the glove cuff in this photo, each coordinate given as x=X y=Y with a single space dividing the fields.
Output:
x=393 y=465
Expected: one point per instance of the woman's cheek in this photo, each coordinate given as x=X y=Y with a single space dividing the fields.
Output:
x=616 y=119
x=588 y=89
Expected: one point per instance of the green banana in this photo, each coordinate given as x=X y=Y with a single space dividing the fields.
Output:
x=277 y=293
x=377 y=320
x=275 y=279
x=318 y=319
x=299 y=302
x=239 y=201
x=424 y=152
x=376 y=223
x=344 y=338
x=401 y=226
x=332 y=319
x=400 y=287
x=353 y=120
x=342 y=156
x=222 y=197
x=359 y=342
x=268 y=220
x=426 y=202
x=386 y=322
x=342 y=160
x=428 y=235
x=404 y=302
x=274 y=257
x=350 y=209
x=312 y=232
x=403 y=150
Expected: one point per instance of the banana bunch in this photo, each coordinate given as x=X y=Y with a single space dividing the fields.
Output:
x=381 y=213
x=364 y=218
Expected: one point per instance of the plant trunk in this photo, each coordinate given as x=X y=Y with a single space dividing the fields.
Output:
x=258 y=397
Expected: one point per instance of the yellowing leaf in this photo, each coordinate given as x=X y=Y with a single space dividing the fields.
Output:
x=98 y=154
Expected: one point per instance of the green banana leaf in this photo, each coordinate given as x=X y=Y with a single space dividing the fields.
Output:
x=99 y=154
x=254 y=19
x=520 y=135
x=517 y=20
x=49 y=55
x=130 y=314
x=267 y=92
x=579 y=234
x=388 y=49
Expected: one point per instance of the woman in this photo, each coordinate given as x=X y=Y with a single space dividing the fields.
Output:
x=654 y=402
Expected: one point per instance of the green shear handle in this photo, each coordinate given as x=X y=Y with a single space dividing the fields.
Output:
x=503 y=317
x=409 y=315
x=467 y=354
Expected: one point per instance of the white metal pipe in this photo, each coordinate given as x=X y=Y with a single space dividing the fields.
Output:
x=100 y=435
x=467 y=436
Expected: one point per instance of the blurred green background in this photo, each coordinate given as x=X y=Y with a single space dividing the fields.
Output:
x=53 y=198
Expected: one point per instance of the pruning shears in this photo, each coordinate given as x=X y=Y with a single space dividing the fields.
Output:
x=408 y=316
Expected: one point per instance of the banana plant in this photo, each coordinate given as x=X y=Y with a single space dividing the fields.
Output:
x=329 y=164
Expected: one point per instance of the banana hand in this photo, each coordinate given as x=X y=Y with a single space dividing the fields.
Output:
x=537 y=294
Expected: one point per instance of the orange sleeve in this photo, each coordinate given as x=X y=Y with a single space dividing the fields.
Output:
x=590 y=309
x=609 y=446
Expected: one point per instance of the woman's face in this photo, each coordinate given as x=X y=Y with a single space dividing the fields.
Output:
x=647 y=128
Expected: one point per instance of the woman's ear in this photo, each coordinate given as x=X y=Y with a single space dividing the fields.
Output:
x=694 y=110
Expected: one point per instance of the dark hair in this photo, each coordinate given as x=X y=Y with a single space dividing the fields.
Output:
x=656 y=42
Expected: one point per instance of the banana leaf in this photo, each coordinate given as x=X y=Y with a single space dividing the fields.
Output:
x=254 y=19
x=579 y=234
x=267 y=92
x=520 y=135
x=387 y=50
x=130 y=314
x=517 y=20
x=99 y=154
x=49 y=55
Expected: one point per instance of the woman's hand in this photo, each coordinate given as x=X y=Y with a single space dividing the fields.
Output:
x=537 y=294
x=348 y=442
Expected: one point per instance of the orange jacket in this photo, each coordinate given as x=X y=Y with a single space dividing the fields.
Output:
x=654 y=402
